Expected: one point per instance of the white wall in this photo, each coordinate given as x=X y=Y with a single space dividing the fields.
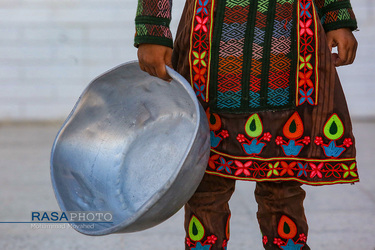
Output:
x=358 y=79
x=51 y=49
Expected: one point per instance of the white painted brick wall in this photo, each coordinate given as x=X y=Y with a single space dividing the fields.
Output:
x=51 y=49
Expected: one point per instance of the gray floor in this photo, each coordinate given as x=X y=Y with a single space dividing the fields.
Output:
x=340 y=216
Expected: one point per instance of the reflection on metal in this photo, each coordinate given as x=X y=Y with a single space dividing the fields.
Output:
x=134 y=145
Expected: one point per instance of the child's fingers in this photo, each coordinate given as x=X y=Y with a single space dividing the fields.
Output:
x=161 y=72
x=353 y=53
x=343 y=52
x=346 y=45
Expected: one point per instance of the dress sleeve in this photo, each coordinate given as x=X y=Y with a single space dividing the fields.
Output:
x=336 y=14
x=152 y=22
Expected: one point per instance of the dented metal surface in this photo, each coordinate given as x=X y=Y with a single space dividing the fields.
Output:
x=134 y=145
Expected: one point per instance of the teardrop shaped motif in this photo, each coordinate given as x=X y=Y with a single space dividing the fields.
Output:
x=253 y=126
x=287 y=229
x=334 y=128
x=213 y=120
x=196 y=229
x=293 y=128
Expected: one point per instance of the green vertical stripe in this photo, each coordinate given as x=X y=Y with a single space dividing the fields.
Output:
x=294 y=52
x=267 y=53
x=247 y=54
x=218 y=26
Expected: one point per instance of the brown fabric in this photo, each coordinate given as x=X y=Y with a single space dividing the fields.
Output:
x=331 y=101
x=276 y=200
x=210 y=206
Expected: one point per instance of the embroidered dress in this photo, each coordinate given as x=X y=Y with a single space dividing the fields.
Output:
x=263 y=71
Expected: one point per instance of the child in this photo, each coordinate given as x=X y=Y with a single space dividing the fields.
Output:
x=264 y=72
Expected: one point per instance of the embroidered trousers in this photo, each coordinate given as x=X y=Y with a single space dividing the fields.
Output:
x=280 y=214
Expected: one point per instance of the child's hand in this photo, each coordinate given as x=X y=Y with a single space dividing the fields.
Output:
x=346 y=46
x=153 y=58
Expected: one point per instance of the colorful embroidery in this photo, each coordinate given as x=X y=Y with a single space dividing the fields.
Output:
x=333 y=130
x=200 y=47
x=249 y=60
x=215 y=125
x=153 y=30
x=336 y=14
x=196 y=235
x=309 y=171
x=266 y=35
x=291 y=245
x=152 y=22
x=265 y=240
x=229 y=72
x=227 y=228
x=279 y=92
x=349 y=170
x=293 y=129
x=307 y=66
x=257 y=54
x=156 y=8
x=287 y=229
x=254 y=129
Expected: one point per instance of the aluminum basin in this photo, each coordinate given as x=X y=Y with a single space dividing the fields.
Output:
x=133 y=145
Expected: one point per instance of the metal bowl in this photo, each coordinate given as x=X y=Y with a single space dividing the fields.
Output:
x=134 y=145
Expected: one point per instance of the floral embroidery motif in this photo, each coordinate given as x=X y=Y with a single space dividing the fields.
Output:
x=336 y=14
x=273 y=169
x=254 y=129
x=200 y=47
x=291 y=245
x=225 y=165
x=242 y=168
x=196 y=233
x=293 y=129
x=349 y=170
x=287 y=229
x=265 y=240
x=215 y=125
x=291 y=167
x=307 y=75
x=333 y=130
x=310 y=171
x=316 y=170
x=302 y=169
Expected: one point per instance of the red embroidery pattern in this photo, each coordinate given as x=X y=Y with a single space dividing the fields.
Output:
x=307 y=65
x=309 y=171
x=254 y=129
x=199 y=57
x=293 y=130
x=287 y=229
x=214 y=122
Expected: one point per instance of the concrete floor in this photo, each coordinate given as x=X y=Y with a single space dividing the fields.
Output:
x=340 y=216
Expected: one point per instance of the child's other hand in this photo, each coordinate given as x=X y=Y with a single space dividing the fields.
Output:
x=153 y=58
x=346 y=45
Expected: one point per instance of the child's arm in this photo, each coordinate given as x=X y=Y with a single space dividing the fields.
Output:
x=346 y=46
x=339 y=21
x=153 y=58
x=153 y=37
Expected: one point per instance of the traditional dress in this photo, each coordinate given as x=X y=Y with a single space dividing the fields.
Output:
x=263 y=71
